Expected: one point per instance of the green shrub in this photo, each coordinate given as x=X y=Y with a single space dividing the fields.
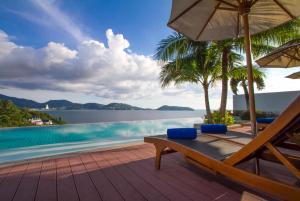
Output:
x=245 y=115
x=216 y=118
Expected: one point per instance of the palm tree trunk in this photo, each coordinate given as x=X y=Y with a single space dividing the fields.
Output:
x=207 y=106
x=224 y=82
x=244 y=85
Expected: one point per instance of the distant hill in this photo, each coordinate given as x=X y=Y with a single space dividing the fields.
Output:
x=20 y=102
x=13 y=116
x=68 y=105
x=121 y=106
x=174 y=108
x=62 y=104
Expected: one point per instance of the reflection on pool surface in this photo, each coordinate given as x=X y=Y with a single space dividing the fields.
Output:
x=26 y=143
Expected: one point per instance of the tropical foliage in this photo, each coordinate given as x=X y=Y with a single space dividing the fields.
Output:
x=262 y=43
x=189 y=61
x=239 y=78
x=12 y=116
x=218 y=119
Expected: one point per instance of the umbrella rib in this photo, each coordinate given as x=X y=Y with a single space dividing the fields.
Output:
x=270 y=60
x=206 y=23
x=284 y=9
x=254 y=2
x=279 y=55
x=230 y=9
x=227 y=3
x=238 y=25
x=292 y=56
x=278 y=51
x=291 y=59
x=298 y=53
x=184 y=11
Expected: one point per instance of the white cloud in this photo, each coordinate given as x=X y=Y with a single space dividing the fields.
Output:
x=92 y=69
x=58 y=53
x=56 y=16
x=110 y=72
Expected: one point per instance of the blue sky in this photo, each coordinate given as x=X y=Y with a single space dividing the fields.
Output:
x=96 y=51
x=143 y=23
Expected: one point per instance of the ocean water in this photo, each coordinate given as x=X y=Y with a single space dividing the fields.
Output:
x=96 y=116
x=18 y=144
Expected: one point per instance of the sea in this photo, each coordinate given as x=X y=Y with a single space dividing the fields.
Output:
x=97 y=116
x=89 y=129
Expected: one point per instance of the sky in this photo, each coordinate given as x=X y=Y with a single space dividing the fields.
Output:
x=97 y=51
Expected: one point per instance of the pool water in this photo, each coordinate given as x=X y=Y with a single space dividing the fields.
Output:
x=33 y=142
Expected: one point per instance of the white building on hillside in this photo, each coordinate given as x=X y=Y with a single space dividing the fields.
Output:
x=36 y=121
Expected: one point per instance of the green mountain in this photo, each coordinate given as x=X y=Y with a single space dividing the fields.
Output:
x=174 y=108
x=21 y=102
x=68 y=105
x=120 y=106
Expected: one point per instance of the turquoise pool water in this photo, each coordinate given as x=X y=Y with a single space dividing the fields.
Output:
x=26 y=143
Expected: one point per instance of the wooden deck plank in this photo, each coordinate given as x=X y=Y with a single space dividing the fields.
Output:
x=202 y=182
x=85 y=187
x=66 y=189
x=102 y=183
x=29 y=183
x=11 y=183
x=46 y=190
x=218 y=184
x=160 y=185
x=4 y=173
x=125 y=189
x=126 y=173
x=187 y=190
x=147 y=190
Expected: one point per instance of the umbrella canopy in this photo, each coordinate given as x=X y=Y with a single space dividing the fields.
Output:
x=285 y=56
x=223 y=19
x=294 y=75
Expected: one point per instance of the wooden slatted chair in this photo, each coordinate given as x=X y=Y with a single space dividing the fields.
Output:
x=222 y=153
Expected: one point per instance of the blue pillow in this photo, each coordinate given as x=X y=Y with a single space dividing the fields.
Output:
x=182 y=133
x=214 y=128
x=265 y=120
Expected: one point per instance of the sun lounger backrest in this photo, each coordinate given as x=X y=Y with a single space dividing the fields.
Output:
x=273 y=130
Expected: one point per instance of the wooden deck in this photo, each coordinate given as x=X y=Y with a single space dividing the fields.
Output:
x=121 y=174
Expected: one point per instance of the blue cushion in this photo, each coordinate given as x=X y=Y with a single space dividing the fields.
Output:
x=265 y=120
x=213 y=128
x=182 y=133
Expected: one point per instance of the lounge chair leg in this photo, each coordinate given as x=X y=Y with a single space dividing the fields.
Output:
x=257 y=167
x=159 y=150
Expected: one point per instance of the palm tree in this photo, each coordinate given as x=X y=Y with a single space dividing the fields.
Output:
x=262 y=43
x=239 y=78
x=189 y=61
x=229 y=60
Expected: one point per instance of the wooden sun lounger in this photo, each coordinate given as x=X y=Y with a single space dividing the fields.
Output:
x=222 y=153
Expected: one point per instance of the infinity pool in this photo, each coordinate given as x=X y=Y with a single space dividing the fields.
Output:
x=32 y=142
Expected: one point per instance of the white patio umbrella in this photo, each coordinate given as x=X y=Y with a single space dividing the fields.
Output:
x=294 y=75
x=203 y=20
x=285 y=56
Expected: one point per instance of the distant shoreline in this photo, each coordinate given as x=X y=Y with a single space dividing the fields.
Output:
x=105 y=122
x=68 y=105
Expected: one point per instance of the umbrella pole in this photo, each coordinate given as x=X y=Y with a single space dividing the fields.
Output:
x=247 y=41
